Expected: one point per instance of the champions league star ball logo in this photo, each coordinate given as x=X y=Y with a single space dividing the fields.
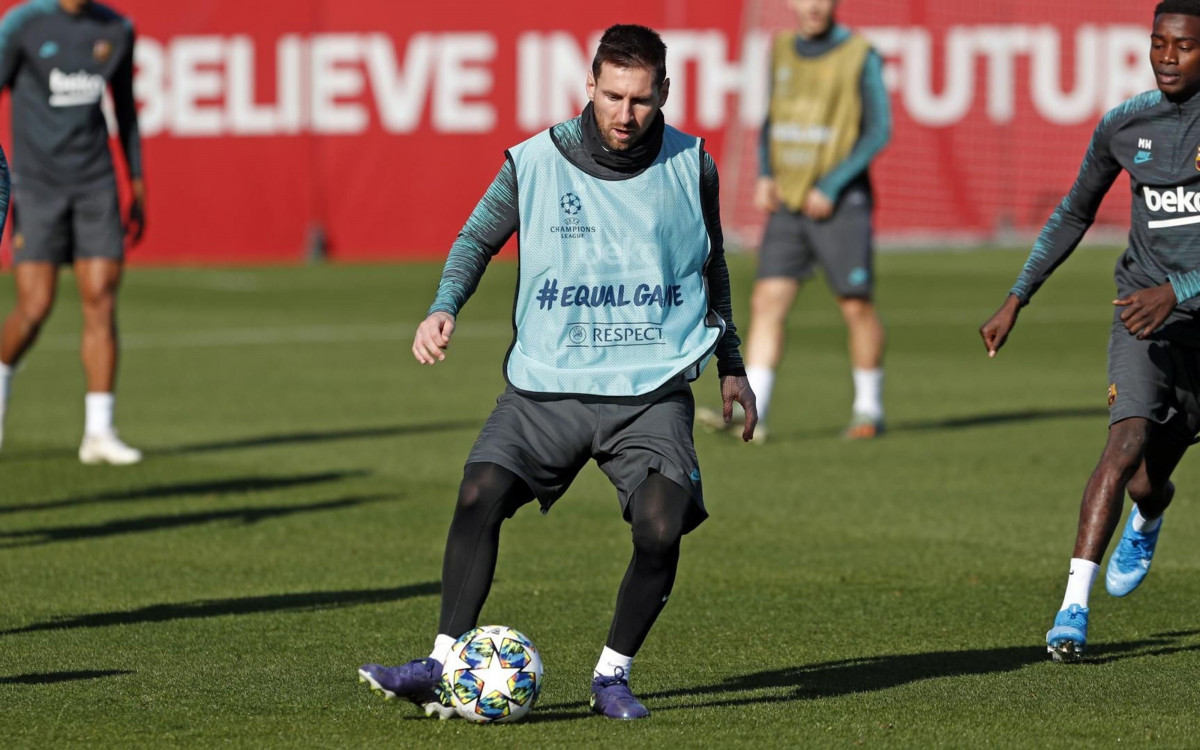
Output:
x=570 y=204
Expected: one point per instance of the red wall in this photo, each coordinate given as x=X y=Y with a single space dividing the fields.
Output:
x=383 y=122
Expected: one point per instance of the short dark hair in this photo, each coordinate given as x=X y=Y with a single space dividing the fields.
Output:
x=632 y=46
x=1182 y=7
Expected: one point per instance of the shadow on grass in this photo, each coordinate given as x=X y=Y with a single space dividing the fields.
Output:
x=248 y=605
x=51 y=534
x=981 y=420
x=956 y=423
x=318 y=436
x=213 y=487
x=870 y=674
x=49 y=678
x=68 y=453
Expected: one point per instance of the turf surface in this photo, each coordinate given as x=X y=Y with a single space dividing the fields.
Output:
x=287 y=526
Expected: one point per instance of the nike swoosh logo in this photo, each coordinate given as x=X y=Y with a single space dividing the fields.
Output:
x=1142 y=157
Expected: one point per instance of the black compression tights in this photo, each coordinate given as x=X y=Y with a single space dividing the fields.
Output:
x=489 y=494
x=659 y=511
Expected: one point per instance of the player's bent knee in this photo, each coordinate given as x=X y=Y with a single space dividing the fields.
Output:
x=1126 y=444
x=33 y=312
x=659 y=537
x=473 y=496
x=486 y=486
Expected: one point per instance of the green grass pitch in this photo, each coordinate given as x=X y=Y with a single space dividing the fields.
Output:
x=288 y=524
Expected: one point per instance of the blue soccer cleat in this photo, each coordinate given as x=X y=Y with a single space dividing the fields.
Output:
x=1130 y=562
x=1067 y=639
x=417 y=681
x=612 y=698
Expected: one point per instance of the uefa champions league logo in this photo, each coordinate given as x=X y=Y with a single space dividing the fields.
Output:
x=570 y=204
x=578 y=334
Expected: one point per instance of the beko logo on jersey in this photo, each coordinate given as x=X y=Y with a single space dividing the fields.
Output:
x=75 y=89
x=1175 y=201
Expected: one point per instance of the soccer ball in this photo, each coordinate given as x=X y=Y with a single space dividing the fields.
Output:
x=492 y=674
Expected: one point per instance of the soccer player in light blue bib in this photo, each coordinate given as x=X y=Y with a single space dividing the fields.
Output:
x=622 y=298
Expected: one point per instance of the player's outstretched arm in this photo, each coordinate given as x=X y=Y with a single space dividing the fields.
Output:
x=433 y=338
x=737 y=388
x=995 y=331
x=1147 y=309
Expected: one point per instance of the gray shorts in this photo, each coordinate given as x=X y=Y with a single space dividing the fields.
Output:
x=547 y=441
x=794 y=244
x=59 y=225
x=1155 y=379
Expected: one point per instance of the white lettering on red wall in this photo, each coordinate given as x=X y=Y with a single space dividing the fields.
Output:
x=338 y=84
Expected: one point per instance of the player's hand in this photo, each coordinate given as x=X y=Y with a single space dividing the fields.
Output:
x=817 y=205
x=737 y=388
x=433 y=337
x=135 y=223
x=766 y=195
x=1147 y=309
x=995 y=331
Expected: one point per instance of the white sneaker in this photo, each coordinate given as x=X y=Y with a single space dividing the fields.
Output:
x=107 y=449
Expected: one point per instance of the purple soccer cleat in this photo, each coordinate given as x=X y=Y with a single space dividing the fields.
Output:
x=417 y=681
x=612 y=698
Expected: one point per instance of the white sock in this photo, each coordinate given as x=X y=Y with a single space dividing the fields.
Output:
x=762 y=381
x=99 y=411
x=868 y=392
x=612 y=664
x=6 y=375
x=1143 y=526
x=441 y=647
x=1079 y=583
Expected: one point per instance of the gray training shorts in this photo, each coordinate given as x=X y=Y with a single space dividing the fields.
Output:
x=794 y=244
x=53 y=224
x=1155 y=379
x=546 y=441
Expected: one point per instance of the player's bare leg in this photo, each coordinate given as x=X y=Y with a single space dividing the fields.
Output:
x=1151 y=491
x=36 y=284
x=98 y=280
x=1099 y=514
x=770 y=303
x=866 y=340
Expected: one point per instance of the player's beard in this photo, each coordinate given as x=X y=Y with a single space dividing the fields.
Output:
x=611 y=142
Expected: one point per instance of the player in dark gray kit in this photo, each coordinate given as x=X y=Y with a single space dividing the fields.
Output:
x=1154 y=347
x=57 y=57
x=623 y=294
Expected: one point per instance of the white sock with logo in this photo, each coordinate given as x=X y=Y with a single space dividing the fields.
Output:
x=1142 y=525
x=1079 y=582
x=868 y=392
x=98 y=408
x=612 y=664
x=762 y=381
x=441 y=647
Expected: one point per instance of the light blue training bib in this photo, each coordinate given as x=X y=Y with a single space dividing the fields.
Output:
x=611 y=299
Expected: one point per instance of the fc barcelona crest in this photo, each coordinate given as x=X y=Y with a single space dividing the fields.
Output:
x=103 y=49
x=1198 y=158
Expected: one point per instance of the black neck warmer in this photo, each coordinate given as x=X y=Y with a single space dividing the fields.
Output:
x=634 y=159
